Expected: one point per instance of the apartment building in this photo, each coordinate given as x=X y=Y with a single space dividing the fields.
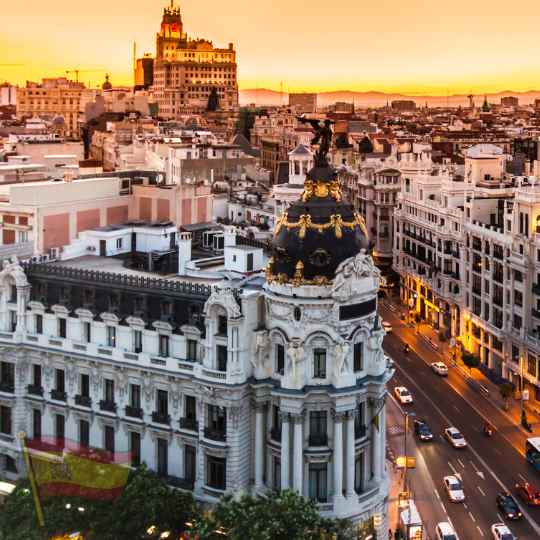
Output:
x=467 y=249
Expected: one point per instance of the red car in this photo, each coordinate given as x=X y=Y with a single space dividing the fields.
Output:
x=528 y=493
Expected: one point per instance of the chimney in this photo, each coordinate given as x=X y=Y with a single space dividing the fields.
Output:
x=229 y=236
x=184 y=252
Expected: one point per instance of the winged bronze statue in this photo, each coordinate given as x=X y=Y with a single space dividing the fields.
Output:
x=323 y=137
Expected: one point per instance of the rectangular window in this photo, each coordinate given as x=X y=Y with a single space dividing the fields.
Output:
x=358 y=473
x=85 y=385
x=111 y=336
x=39 y=324
x=162 y=402
x=108 y=395
x=162 y=457
x=60 y=380
x=13 y=321
x=109 y=439
x=191 y=410
x=318 y=482
x=222 y=325
x=191 y=350
x=135 y=396
x=119 y=243
x=36 y=424
x=135 y=448
x=280 y=359
x=358 y=357
x=84 y=433
x=163 y=346
x=318 y=428
x=190 y=465
x=62 y=327
x=216 y=472
x=36 y=375
x=5 y=420
x=217 y=418
x=60 y=429
x=276 y=465
x=221 y=358
x=7 y=376
x=87 y=332
x=319 y=363
x=137 y=341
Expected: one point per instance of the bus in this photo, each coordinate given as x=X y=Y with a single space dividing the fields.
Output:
x=532 y=452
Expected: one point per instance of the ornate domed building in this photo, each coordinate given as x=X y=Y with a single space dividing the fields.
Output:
x=322 y=350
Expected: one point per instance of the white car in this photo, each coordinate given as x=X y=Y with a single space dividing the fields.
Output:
x=455 y=438
x=454 y=488
x=403 y=395
x=387 y=327
x=501 y=532
x=439 y=368
x=445 y=531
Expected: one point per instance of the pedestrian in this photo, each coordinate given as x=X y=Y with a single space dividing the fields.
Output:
x=390 y=535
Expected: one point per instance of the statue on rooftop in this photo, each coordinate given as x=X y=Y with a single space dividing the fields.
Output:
x=323 y=137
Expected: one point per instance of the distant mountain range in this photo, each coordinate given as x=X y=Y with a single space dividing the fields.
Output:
x=264 y=96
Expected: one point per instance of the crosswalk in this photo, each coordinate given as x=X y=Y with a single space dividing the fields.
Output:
x=394 y=429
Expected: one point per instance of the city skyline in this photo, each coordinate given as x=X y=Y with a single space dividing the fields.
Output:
x=447 y=52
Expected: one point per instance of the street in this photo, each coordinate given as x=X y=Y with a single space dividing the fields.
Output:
x=486 y=467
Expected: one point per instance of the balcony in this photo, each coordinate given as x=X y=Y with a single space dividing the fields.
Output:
x=318 y=439
x=134 y=412
x=83 y=401
x=536 y=313
x=35 y=390
x=275 y=434
x=108 y=406
x=181 y=483
x=58 y=395
x=190 y=424
x=7 y=386
x=161 y=418
x=215 y=434
x=536 y=288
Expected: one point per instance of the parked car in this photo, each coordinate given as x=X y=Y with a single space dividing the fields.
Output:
x=422 y=430
x=440 y=368
x=455 y=438
x=403 y=395
x=501 y=532
x=508 y=506
x=528 y=493
x=454 y=489
x=445 y=531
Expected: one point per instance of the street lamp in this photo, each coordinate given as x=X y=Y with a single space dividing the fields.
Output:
x=407 y=414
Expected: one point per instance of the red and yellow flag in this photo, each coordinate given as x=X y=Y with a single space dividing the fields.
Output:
x=64 y=468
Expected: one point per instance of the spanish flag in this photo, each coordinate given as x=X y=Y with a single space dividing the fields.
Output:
x=64 y=468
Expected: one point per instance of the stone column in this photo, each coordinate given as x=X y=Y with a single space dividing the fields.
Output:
x=259 y=445
x=285 y=451
x=298 y=453
x=23 y=293
x=376 y=449
x=338 y=455
x=350 y=454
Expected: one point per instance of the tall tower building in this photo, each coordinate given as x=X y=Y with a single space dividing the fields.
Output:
x=187 y=70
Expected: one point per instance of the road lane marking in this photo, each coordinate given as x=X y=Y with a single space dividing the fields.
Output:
x=437 y=494
x=452 y=467
x=472 y=517
x=522 y=477
x=461 y=463
x=477 y=470
x=465 y=506
x=456 y=408
x=501 y=519
x=480 y=530
x=480 y=490
x=482 y=462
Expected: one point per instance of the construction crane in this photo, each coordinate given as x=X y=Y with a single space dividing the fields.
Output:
x=77 y=71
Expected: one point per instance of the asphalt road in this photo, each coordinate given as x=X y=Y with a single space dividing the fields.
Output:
x=487 y=466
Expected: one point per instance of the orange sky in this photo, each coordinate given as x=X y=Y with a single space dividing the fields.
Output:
x=413 y=46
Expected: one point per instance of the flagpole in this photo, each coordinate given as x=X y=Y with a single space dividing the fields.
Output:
x=31 y=477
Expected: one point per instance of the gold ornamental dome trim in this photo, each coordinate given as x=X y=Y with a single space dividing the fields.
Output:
x=304 y=223
x=321 y=189
x=298 y=278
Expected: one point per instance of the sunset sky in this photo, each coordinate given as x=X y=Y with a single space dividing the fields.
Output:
x=414 y=46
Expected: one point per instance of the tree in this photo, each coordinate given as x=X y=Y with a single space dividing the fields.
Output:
x=146 y=501
x=277 y=516
x=471 y=361
x=213 y=100
x=506 y=389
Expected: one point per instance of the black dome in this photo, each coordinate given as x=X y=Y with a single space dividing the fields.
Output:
x=316 y=234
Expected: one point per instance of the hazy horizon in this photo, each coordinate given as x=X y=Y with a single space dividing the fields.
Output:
x=412 y=49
